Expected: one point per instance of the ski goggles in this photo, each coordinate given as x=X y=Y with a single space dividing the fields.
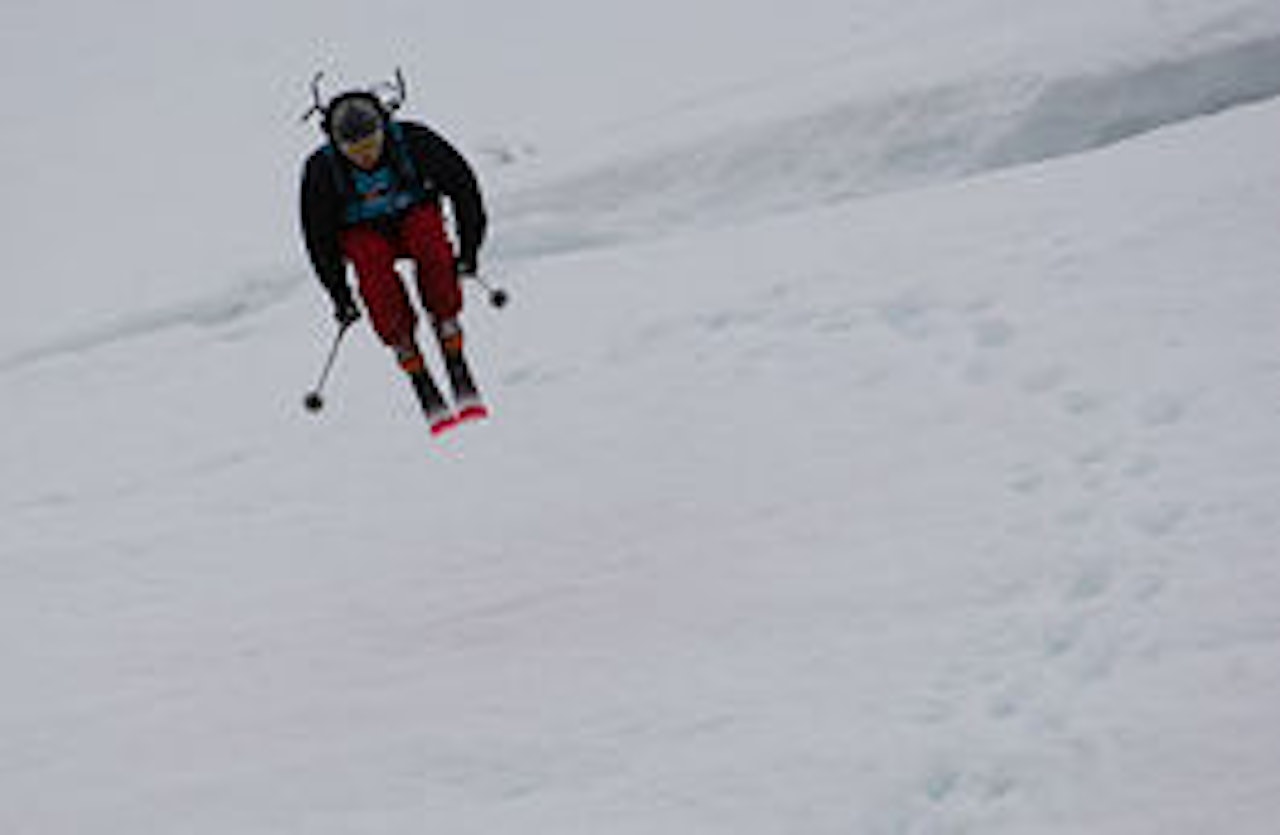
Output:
x=367 y=148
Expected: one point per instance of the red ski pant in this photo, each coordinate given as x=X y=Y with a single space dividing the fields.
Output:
x=421 y=237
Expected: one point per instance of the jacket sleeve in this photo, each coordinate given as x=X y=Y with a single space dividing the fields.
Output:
x=450 y=172
x=321 y=212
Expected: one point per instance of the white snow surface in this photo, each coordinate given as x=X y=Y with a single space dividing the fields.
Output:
x=885 y=430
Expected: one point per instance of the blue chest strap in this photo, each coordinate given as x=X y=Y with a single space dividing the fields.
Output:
x=384 y=192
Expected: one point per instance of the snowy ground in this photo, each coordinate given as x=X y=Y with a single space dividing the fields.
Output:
x=885 y=435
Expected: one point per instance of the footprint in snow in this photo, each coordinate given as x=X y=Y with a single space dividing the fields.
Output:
x=1163 y=410
x=1044 y=380
x=993 y=332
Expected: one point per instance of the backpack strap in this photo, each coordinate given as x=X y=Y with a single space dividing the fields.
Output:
x=399 y=159
x=341 y=177
x=402 y=162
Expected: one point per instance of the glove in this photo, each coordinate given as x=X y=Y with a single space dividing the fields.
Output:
x=346 y=312
x=344 y=306
x=464 y=266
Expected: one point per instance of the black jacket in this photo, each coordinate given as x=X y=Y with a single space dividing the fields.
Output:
x=443 y=171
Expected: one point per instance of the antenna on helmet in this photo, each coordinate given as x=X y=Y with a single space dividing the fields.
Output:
x=318 y=106
x=391 y=93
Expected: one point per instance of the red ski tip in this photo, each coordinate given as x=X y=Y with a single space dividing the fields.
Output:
x=444 y=424
x=474 y=412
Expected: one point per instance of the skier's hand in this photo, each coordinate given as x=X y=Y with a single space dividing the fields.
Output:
x=464 y=266
x=346 y=312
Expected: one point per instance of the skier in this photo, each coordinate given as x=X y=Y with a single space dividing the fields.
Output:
x=372 y=194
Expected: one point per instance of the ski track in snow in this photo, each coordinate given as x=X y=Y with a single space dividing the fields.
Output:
x=1069 y=621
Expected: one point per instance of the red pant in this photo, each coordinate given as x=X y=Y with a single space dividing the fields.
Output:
x=421 y=237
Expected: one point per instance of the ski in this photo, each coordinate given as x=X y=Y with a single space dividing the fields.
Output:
x=440 y=418
x=468 y=404
x=466 y=395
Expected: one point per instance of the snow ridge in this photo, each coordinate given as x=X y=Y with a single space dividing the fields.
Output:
x=865 y=146
x=243 y=299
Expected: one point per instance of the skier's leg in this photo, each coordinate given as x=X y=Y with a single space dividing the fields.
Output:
x=374 y=258
x=427 y=243
x=393 y=318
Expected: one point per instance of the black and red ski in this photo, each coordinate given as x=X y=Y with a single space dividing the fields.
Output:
x=467 y=405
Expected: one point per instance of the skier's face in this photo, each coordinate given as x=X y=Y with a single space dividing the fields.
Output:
x=365 y=152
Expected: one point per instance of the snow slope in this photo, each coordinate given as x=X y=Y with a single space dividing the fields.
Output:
x=867 y=466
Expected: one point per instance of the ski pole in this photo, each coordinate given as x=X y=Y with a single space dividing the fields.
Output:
x=314 y=401
x=497 y=296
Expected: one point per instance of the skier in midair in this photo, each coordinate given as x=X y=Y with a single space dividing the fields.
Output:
x=372 y=194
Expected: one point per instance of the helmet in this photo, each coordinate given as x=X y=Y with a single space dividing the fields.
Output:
x=354 y=117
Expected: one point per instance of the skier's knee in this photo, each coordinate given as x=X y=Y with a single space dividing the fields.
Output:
x=449 y=333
